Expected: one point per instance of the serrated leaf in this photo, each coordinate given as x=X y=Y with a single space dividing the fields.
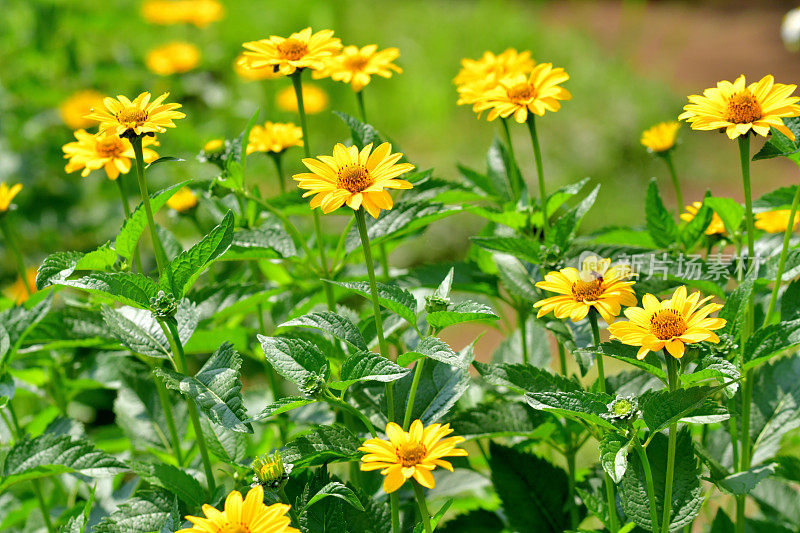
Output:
x=61 y=265
x=524 y=378
x=660 y=222
x=390 y=296
x=694 y=230
x=362 y=133
x=711 y=367
x=440 y=387
x=368 y=366
x=498 y=170
x=584 y=405
x=779 y=145
x=145 y=512
x=790 y=302
x=270 y=236
x=20 y=321
x=337 y=325
x=335 y=489
x=493 y=419
x=124 y=287
x=565 y=228
x=171 y=478
x=436 y=349
x=614 y=455
x=297 y=360
x=228 y=445
x=216 y=388
x=650 y=364
x=776 y=406
x=770 y=340
x=139 y=332
x=323 y=444
x=743 y=482
x=280 y=406
x=461 y=312
x=516 y=278
x=730 y=211
x=519 y=247
x=663 y=407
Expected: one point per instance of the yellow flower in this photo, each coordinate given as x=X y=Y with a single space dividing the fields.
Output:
x=214 y=145
x=104 y=150
x=18 y=292
x=173 y=58
x=737 y=108
x=355 y=178
x=597 y=285
x=669 y=324
x=201 y=13
x=300 y=50
x=183 y=200
x=73 y=110
x=661 y=137
x=139 y=116
x=411 y=454
x=776 y=221
x=242 y=67
x=249 y=515
x=315 y=100
x=356 y=65
x=274 y=137
x=478 y=76
x=716 y=227
x=518 y=95
x=7 y=195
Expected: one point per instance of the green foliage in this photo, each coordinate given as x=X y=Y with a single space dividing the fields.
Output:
x=660 y=222
x=390 y=296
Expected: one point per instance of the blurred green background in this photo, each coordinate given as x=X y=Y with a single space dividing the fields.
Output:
x=631 y=65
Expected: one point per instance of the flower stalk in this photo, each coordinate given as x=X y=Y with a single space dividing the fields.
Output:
x=158 y=249
x=419 y=493
x=672 y=382
x=537 y=152
x=126 y=207
x=787 y=237
x=667 y=156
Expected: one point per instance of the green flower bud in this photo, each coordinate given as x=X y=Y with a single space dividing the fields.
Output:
x=623 y=408
x=270 y=471
x=163 y=306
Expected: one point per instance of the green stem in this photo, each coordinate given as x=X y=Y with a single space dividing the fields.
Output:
x=516 y=175
x=158 y=249
x=180 y=366
x=12 y=244
x=166 y=406
x=613 y=519
x=277 y=159
x=675 y=183
x=383 y=257
x=601 y=375
x=126 y=207
x=573 y=509
x=412 y=393
x=522 y=319
x=562 y=357
x=394 y=506
x=672 y=381
x=341 y=403
x=361 y=109
x=292 y=512
x=744 y=158
x=651 y=491
x=297 y=82
x=787 y=237
x=539 y=170
x=419 y=492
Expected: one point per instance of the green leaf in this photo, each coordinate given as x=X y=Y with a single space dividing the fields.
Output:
x=566 y=227
x=61 y=265
x=50 y=454
x=660 y=222
x=495 y=419
x=711 y=367
x=390 y=296
x=323 y=444
x=297 y=360
x=498 y=165
x=476 y=521
x=780 y=198
x=440 y=387
x=145 y=512
x=524 y=378
x=138 y=331
x=516 y=278
x=171 y=478
x=730 y=211
x=790 y=302
x=776 y=401
x=770 y=340
x=614 y=455
x=337 y=325
x=134 y=225
x=271 y=237
x=779 y=145
x=337 y=490
x=521 y=248
x=280 y=406
x=626 y=353
x=124 y=287
x=735 y=304
x=584 y=405
x=179 y=276
x=164 y=159
x=743 y=482
x=687 y=493
x=436 y=349
x=362 y=133
x=18 y=322
x=216 y=388
x=228 y=445
x=663 y=407
x=368 y=366
x=78 y=524
x=481 y=181
x=694 y=230
x=533 y=491
x=436 y=518
x=461 y=312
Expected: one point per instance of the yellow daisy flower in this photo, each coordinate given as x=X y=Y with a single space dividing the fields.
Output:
x=661 y=137
x=183 y=200
x=479 y=75
x=737 y=109
x=597 y=285
x=201 y=13
x=518 y=95
x=7 y=195
x=242 y=67
x=716 y=227
x=356 y=65
x=315 y=100
x=173 y=58
x=274 y=137
x=300 y=50
x=140 y=116
x=73 y=110
x=669 y=324
x=249 y=515
x=415 y=453
x=776 y=221
x=18 y=292
x=358 y=179
x=214 y=145
x=104 y=150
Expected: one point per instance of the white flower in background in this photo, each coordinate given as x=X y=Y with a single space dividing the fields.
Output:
x=790 y=29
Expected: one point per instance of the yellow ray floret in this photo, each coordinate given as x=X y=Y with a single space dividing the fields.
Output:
x=661 y=137
x=353 y=177
x=105 y=150
x=716 y=227
x=776 y=221
x=669 y=324
x=140 y=116
x=7 y=195
x=250 y=515
x=285 y=55
x=412 y=454
x=736 y=108
x=274 y=137
x=356 y=66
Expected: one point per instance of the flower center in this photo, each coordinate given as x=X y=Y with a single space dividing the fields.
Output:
x=234 y=528
x=132 y=115
x=743 y=108
x=411 y=453
x=666 y=324
x=292 y=49
x=587 y=291
x=355 y=62
x=520 y=92
x=110 y=147
x=354 y=178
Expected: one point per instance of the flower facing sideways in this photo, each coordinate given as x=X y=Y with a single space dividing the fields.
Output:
x=285 y=55
x=140 y=116
x=597 y=285
x=480 y=75
x=356 y=65
x=715 y=227
x=73 y=110
x=173 y=58
x=105 y=150
x=669 y=324
x=661 y=137
x=183 y=201
x=243 y=516
x=353 y=177
x=776 y=221
x=315 y=100
x=415 y=453
x=274 y=137
x=736 y=109
x=7 y=195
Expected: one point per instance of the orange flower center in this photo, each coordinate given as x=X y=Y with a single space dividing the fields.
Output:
x=354 y=178
x=234 y=528
x=292 y=49
x=587 y=291
x=666 y=324
x=411 y=453
x=520 y=92
x=132 y=115
x=110 y=147
x=355 y=62
x=743 y=108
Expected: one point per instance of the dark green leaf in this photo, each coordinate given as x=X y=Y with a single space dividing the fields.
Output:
x=524 y=378
x=145 y=512
x=61 y=265
x=743 y=482
x=337 y=490
x=660 y=222
x=493 y=419
x=280 y=406
x=730 y=211
x=337 y=325
x=368 y=366
x=566 y=227
x=171 y=478
x=522 y=248
x=390 y=296
x=584 y=405
x=460 y=312
x=614 y=455
x=323 y=444
x=125 y=287
x=297 y=360
x=363 y=134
